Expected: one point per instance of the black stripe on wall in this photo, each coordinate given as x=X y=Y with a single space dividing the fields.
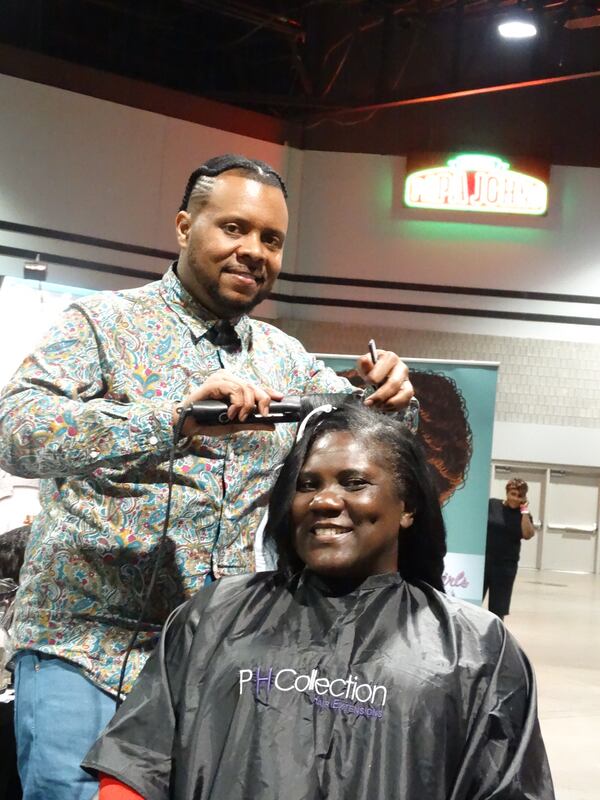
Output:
x=96 y=266
x=121 y=247
x=68 y=261
x=439 y=288
x=64 y=236
x=447 y=310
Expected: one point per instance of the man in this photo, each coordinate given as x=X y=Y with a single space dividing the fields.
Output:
x=92 y=412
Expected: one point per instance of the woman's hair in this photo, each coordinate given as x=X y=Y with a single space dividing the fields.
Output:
x=422 y=546
x=12 y=551
x=519 y=484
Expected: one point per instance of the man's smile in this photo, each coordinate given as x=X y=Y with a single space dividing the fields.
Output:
x=245 y=276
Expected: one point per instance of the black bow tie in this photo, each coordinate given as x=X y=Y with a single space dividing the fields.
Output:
x=222 y=334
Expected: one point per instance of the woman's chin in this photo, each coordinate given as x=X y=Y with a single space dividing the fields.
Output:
x=334 y=570
x=328 y=564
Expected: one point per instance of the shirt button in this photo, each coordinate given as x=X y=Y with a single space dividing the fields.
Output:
x=153 y=440
x=94 y=454
x=37 y=667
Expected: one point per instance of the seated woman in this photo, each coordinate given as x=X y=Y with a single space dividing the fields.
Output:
x=345 y=674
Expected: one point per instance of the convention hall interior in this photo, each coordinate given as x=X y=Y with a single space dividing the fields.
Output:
x=108 y=106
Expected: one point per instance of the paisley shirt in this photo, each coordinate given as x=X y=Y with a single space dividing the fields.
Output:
x=90 y=412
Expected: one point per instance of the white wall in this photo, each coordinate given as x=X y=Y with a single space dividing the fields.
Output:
x=546 y=444
x=352 y=225
x=86 y=166
x=92 y=167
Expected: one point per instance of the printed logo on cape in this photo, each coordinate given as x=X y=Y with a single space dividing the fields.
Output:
x=343 y=695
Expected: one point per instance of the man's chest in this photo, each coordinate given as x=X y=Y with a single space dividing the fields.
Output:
x=163 y=358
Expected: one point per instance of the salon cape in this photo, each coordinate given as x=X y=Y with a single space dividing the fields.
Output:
x=271 y=689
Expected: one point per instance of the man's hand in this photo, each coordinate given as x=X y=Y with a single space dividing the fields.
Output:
x=242 y=397
x=390 y=375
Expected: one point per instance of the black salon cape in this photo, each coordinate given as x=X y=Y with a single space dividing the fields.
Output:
x=453 y=711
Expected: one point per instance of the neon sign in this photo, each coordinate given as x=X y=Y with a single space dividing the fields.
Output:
x=476 y=182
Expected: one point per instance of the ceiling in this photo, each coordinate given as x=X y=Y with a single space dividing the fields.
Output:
x=300 y=60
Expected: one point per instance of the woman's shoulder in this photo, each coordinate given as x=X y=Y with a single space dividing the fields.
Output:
x=472 y=627
x=227 y=595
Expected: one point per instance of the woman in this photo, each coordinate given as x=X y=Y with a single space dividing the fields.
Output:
x=509 y=521
x=346 y=673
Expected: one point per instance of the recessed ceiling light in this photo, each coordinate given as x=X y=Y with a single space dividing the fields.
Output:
x=517 y=25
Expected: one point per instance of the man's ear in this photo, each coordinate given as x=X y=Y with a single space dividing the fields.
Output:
x=407 y=519
x=183 y=223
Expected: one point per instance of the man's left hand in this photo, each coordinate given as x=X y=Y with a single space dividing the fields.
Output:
x=390 y=375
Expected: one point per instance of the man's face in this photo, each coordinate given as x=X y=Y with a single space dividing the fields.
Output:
x=231 y=248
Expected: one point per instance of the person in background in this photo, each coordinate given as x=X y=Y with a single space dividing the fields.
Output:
x=93 y=411
x=509 y=521
x=347 y=673
x=12 y=552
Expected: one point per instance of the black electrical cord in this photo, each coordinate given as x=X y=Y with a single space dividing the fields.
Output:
x=183 y=414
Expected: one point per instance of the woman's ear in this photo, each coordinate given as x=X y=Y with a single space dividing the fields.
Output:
x=407 y=519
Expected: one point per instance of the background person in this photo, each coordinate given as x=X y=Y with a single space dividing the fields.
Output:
x=92 y=411
x=347 y=673
x=12 y=551
x=509 y=521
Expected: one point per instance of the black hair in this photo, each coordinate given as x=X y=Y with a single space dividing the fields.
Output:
x=200 y=182
x=422 y=546
x=12 y=552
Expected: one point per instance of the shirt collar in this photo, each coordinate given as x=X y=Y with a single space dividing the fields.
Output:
x=193 y=315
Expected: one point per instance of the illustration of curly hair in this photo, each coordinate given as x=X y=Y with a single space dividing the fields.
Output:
x=444 y=429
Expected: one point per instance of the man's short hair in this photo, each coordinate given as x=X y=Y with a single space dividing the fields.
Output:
x=201 y=181
x=519 y=484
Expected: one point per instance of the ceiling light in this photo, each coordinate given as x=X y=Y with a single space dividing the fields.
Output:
x=517 y=24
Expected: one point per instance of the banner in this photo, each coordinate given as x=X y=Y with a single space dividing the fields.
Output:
x=457 y=400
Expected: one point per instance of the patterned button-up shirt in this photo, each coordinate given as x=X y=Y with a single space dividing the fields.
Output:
x=90 y=412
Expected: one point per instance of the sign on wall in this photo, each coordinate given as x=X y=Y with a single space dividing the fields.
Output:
x=476 y=182
x=456 y=423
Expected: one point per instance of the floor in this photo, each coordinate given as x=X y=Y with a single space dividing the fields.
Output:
x=556 y=618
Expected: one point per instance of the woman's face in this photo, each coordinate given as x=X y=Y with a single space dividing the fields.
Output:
x=346 y=512
x=514 y=498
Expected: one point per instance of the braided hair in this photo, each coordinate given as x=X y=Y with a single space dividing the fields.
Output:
x=201 y=181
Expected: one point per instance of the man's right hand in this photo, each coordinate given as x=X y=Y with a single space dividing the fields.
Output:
x=242 y=398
